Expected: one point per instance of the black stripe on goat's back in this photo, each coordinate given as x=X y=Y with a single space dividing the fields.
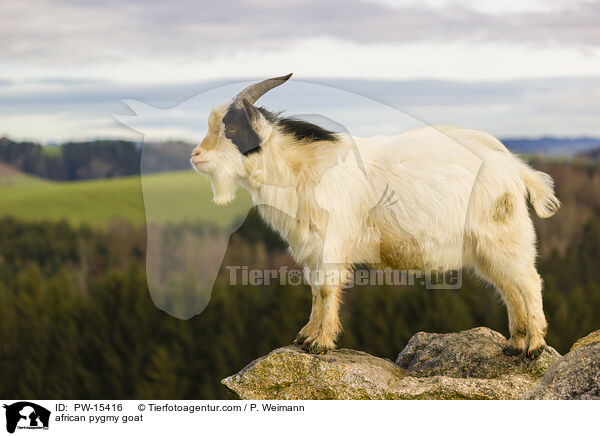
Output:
x=301 y=130
x=305 y=131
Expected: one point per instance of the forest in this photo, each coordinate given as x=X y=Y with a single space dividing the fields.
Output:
x=92 y=159
x=77 y=320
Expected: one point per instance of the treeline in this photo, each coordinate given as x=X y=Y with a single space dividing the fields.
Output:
x=77 y=320
x=115 y=158
x=94 y=159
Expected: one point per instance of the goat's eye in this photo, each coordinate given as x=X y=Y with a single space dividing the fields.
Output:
x=230 y=130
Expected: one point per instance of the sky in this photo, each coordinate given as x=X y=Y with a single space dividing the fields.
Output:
x=525 y=68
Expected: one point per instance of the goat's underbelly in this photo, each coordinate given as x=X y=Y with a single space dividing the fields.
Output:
x=401 y=253
x=407 y=253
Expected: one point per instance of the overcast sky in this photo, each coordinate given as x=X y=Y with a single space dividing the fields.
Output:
x=514 y=68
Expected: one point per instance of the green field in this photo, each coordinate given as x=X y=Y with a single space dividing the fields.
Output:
x=169 y=197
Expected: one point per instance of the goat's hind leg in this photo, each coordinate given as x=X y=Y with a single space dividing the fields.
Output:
x=515 y=306
x=524 y=278
x=312 y=327
x=517 y=319
x=530 y=285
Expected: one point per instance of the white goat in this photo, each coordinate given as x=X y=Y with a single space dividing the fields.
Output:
x=462 y=204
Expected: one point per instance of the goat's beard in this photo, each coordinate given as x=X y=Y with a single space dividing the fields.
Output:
x=224 y=186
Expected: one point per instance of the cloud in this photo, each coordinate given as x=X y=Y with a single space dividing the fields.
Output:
x=564 y=107
x=65 y=64
x=71 y=32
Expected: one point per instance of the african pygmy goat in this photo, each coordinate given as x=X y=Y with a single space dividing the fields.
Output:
x=461 y=203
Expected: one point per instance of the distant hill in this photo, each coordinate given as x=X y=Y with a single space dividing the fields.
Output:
x=7 y=170
x=592 y=154
x=104 y=159
x=10 y=176
x=99 y=159
x=72 y=160
x=552 y=146
x=176 y=197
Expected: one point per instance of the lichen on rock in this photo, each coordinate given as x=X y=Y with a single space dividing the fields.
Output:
x=575 y=376
x=292 y=373
x=465 y=365
x=471 y=353
x=592 y=338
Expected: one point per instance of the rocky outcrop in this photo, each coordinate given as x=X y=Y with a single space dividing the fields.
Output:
x=465 y=365
x=575 y=376
x=291 y=373
x=475 y=353
x=592 y=338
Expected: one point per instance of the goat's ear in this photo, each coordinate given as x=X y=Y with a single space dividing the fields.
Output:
x=250 y=110
x=256 y=119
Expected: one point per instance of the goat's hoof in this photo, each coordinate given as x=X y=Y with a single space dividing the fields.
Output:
x=314 y=347
x=300 y=339
x=318 y=349
x=511 y=350
x=306 y=344
x=514 y=346
x=534 y=353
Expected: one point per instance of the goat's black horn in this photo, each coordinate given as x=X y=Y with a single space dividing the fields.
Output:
x=257 y=90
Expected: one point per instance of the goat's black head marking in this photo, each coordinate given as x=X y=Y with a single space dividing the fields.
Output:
x=238 y=128
x=242 y=116
x=239 y=116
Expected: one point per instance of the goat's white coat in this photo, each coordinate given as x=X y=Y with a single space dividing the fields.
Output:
x=461 y=202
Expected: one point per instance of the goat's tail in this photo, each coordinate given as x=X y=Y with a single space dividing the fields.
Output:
x=540 y=187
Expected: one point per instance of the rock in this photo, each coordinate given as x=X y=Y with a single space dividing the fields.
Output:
x=575 y=376
x=470 y=353
x=465 y=365
x=292 y=373
x=592 y=338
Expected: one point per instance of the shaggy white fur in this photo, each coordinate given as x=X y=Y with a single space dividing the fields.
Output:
x=431 y=198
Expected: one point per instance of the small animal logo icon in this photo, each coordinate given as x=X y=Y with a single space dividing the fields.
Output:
x=26 y=415
x=183 y=264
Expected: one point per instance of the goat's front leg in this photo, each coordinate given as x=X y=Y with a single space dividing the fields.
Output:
x=339 y=238
x=323 y=339
x=312 y=327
